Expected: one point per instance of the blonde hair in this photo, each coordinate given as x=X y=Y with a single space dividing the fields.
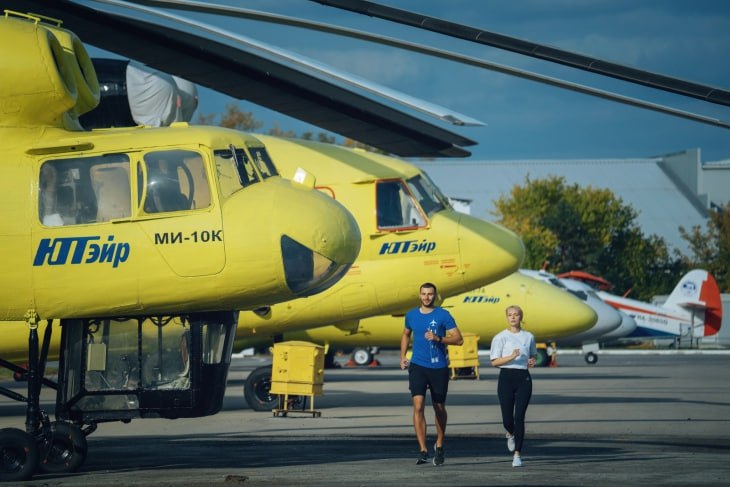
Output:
x=514 y=306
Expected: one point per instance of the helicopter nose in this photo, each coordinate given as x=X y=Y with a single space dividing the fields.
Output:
x=320 y=243
x=560 y=313
x=489 y=251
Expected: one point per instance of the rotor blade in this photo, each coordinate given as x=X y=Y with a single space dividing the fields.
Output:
x=244 y=72
x=619 y=71
x=429 y=108
x=202 y=7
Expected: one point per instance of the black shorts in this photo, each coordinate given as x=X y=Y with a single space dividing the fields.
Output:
x=421 y=378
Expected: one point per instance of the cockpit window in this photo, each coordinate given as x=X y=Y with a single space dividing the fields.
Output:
x=557 y=283
x=396 y=208
x=176 y=181
x=84 y=190
x=235 y=170
x=579 y=294
x=263 y=161
x=427 y=194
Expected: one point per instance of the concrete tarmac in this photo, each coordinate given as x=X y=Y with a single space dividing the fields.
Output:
x=628 y=420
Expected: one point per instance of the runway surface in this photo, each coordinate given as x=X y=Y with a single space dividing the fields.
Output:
x=630 y=419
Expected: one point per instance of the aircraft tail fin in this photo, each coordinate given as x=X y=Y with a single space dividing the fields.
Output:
x=698 y=290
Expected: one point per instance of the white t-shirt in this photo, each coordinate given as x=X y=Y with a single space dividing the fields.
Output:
x=505 y=342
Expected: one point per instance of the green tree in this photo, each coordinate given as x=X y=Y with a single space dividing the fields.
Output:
x=711 y=249
x=233 y=118
x=589 y=229
x=277 y=131
x=354 y=144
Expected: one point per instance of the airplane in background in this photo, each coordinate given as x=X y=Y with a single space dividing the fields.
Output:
x=609 y=319
x=550 y=314
x=135 y=237
x=411 y=235
x=693 y=309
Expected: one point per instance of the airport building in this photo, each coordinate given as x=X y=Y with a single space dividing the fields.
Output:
x=667 y=191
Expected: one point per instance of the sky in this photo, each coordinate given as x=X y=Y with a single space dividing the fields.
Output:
x=525 y=119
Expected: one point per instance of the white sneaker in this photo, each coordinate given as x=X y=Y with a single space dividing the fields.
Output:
x=516 y=461
x=510 y=442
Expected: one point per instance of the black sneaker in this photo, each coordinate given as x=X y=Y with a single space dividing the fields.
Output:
x=422 y=458
x=438 y=458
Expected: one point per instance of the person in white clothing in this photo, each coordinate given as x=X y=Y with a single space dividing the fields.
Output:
x=514 y=351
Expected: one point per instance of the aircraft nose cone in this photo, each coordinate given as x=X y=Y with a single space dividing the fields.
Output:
x=580 y=317
x=549 y=311
x=574 y=316
x=489 y=251
x=320 y=243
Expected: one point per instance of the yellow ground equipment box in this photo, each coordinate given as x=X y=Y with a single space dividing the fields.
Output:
x=464 y=359
x=297 y=370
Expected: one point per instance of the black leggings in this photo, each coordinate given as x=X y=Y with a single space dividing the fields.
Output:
x=514 y=390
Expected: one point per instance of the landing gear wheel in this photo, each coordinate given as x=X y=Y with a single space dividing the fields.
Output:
x=362 y=356
x=256 y=390
x=18 y=455
x=542 y=359
x=66 y=449
x=591 y=358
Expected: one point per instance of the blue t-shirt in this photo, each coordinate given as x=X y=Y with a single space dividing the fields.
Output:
x=425 y=352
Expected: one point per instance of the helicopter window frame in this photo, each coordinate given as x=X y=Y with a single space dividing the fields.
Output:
x=84 y=189
x=234 y=161
x=396 y=209
x=263 y=161
x=427 y=194
x=173 y=180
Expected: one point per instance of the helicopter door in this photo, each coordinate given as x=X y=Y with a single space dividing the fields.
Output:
x=82 y=234
x=177 y=211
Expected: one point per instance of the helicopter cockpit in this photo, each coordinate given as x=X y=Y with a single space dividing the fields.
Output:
x=97 y=188
x=407 y=204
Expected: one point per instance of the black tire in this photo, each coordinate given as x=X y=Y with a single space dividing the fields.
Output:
x=362 y=356
x=18 y=455
x=542 y=359
x=65 y=451
x=591 y=358
x=256 y=390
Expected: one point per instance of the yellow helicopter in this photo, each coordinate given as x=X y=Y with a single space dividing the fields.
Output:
x=411 y=234
x=549 y=314
x=142 y=241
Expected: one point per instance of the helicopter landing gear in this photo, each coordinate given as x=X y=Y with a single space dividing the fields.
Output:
x=18 y=455
x=64 y=450
x=257 y=388
x=257 y=392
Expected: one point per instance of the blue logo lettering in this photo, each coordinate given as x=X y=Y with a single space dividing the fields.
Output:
x=407 y=247
x=82 y=250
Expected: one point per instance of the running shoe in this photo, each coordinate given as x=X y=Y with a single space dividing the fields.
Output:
x=510 y=442
x=438 y=458
x=516 y=461
x=422 y=458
